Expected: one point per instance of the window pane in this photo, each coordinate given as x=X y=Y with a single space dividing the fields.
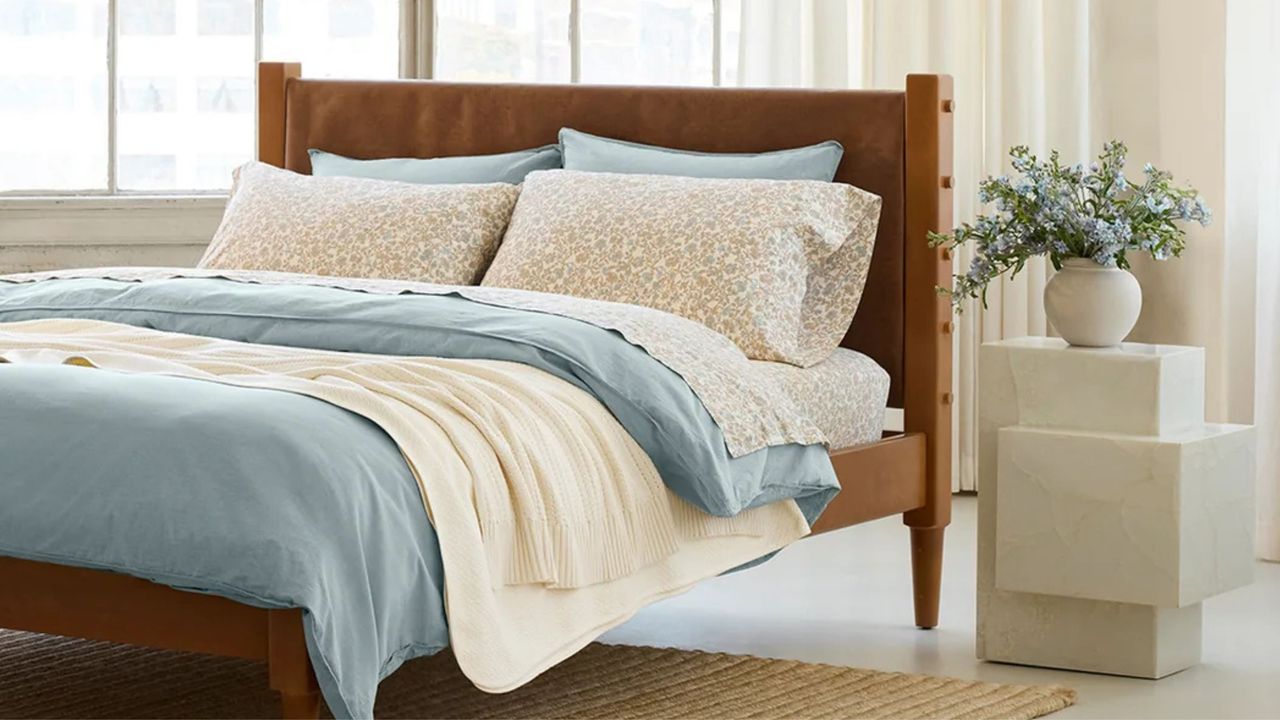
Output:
x=730 y=40
x=224 y=17
x=182 y=94
x=502 y=40
x=224 y=95
x=53 y=104
x=150 y=171
x=147 y=95
x=155 y=17
x=647 y=42
x=334 y=38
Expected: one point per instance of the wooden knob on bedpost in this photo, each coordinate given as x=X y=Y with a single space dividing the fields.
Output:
x=948 y=106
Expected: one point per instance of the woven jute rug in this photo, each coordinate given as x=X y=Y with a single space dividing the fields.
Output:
x=48 y=677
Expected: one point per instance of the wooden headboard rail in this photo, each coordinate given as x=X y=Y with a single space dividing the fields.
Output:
x=897 y=144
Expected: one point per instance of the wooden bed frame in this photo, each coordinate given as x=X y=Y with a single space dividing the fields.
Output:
x=906 y=473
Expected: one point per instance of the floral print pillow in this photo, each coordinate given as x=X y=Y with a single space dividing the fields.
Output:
x=777 y=266
x=353 y=227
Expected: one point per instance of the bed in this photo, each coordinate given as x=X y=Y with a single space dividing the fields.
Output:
x=898 y=146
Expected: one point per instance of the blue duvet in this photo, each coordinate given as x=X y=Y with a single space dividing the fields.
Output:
x=280 y=500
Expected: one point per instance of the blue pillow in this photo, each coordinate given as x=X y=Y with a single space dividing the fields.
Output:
x=598 y=154
x=506 y=167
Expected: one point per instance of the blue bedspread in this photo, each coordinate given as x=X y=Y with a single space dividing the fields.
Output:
x=280 y=500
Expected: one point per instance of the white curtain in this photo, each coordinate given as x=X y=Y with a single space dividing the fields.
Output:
x=1162 y=75
x=800 y=43
x=1252 y=263
x=1035 y=51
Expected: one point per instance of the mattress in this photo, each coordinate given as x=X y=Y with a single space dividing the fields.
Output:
x=844 y=395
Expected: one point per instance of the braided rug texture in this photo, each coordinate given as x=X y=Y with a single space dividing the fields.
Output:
x=50 y=677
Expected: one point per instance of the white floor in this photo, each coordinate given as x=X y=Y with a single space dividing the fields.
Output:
x=844 y=598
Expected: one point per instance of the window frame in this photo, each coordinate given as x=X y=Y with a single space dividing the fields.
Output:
x=418 y=28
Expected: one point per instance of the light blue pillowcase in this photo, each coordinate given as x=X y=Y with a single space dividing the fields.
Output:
x=583 y=151
x=505 y=167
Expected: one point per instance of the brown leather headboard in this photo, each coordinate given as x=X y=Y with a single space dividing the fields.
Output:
x=375 y=119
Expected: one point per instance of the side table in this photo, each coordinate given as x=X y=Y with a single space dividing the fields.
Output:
x=1107 y=508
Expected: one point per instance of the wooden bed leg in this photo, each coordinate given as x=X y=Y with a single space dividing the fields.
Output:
x=926 y=573
x=305 y=706
x=289 y=667
x=928 y=393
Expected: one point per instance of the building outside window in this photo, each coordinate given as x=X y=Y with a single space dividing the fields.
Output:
x=124 y=97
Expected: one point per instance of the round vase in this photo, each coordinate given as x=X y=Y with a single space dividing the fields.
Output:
x=1092 y=305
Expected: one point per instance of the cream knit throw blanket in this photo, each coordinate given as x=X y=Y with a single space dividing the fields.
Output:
x=553 y=524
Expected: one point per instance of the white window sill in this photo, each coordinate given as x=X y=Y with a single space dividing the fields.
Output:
x=109 y=202
x=86 y=220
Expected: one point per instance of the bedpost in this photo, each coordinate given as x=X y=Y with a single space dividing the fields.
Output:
x=928 y=398
x=289 y=667
x=273 y=78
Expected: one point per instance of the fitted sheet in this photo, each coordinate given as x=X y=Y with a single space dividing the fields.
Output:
x=845 y=396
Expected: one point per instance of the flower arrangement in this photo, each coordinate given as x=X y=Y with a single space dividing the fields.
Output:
x=1072 y=212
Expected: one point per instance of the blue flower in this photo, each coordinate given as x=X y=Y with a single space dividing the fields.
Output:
x=1075 y=210
x=1105 y=257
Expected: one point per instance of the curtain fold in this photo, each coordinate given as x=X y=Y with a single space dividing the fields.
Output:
x=1037 y=51
x=800 y=43
x=1189 y=85
x=1252 y=262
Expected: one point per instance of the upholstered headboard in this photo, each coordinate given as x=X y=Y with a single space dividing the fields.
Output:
x=887 y=135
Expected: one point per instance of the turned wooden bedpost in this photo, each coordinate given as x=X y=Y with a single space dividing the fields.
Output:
x=928 y=395
x=273 y=80
x=289 y=667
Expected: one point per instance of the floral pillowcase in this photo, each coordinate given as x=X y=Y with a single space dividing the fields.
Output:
x=777 y=266
x=352 y=227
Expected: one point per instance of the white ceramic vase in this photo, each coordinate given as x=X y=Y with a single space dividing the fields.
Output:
x=1092 y=305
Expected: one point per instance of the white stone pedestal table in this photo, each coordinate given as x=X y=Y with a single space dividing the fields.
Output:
x=1108 y=509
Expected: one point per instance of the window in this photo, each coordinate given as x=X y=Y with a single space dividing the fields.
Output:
x=163 y=127
x=53 y=111
x=650 y=42
x=334 y=38
x=503 y=40
x=157 y=96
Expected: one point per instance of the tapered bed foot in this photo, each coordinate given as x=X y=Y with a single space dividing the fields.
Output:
x=289 y=667
x=926 y=573
x=304 y=706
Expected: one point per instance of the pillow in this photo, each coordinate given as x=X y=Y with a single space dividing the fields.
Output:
x=508 y=167
x=775 y=265
x=598 y=154
x=353 y=227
